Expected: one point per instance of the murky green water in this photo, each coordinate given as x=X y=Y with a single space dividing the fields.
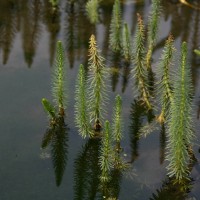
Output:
x=29 y=31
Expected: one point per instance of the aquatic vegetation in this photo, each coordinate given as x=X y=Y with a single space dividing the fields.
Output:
x=54 y=2
x=58 y=85
x=139 y=71
x=81 y=109
x=153 y=23
x=117 y=122
x=105 y=159
x=126 y=43
x=92 y=10
x=58 y=79
x=164 y=86
x=49 y=108
x=115 y=28
x=197 y=52
x=180 y=122
x=97 y=89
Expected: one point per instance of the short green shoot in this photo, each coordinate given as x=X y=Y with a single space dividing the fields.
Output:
x=81 y=109
x=97 y=89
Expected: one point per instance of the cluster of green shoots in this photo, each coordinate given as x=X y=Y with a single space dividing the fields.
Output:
x=90 y=112
x=174 y=92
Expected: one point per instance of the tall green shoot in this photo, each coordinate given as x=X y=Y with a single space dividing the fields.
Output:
x=164 y=86
x=180 y=122
x=139 y=72
x=97 y=90
x=81 y=109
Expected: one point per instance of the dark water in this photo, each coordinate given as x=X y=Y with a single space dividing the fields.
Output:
x=29 y=30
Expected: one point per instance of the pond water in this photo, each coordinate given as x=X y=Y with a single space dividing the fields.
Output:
x=29 y=30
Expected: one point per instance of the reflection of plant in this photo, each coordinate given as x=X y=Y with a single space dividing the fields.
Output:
x=56 y=136
x=172 y=190
x=152 y=30
x=180 y=121
x=81 y=112
x=139 y=72
x=97 y=86
x=115 y=28
x=92 y=10
x=87 y=171
x=164 y=86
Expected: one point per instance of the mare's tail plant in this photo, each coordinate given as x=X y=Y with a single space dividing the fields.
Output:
x=105 y=159
x=139 y=72
x=81 y=109
x=164 y=88
x=152 y=30
x=58 y=83
x=117 y=122
x=97 y=90
x=115 y=28
x=180 y=123
x=92 y=10
x=126 y=43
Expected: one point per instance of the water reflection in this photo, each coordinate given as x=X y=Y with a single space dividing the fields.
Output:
x=51 y=18
x=137 y=117
x=56 y=137
x=172 y=190
x=87 y=171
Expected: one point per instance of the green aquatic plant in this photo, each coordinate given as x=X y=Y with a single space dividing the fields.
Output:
x=92 y=10
x=81 y=109
x=139 y=72
x=97 y=90
x=105 y=159
x=126 y=43
x=164 y=88
x=115 y=28
x=54 y=3
x=197 y=52
x=180 y=122
x=58 y=86
x=153 y=23
x=49 y=108
x=117 y=122
x=58 y=83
